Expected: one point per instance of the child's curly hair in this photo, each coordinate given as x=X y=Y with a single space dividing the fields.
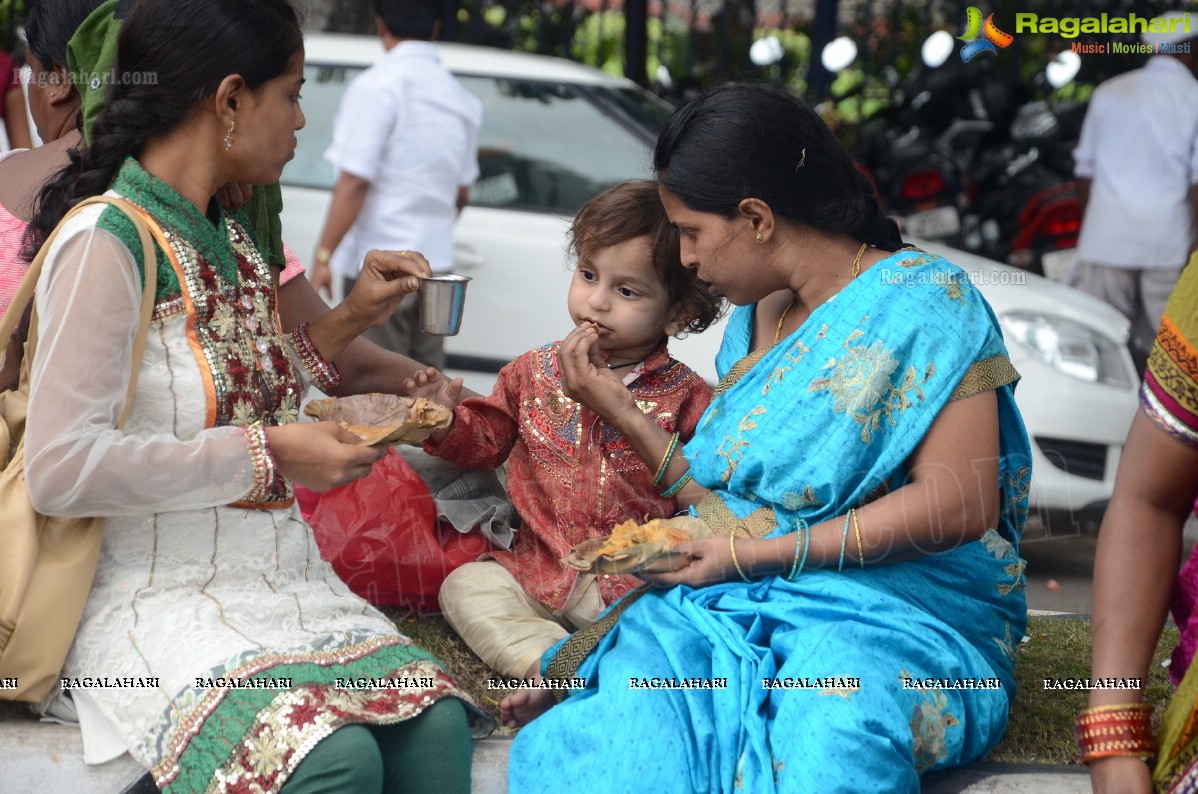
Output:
x=633 y=209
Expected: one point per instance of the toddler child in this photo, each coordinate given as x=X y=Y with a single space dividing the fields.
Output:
x=570 y=475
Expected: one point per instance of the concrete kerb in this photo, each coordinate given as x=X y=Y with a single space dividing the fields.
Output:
x=46 y=757
x=42 y=757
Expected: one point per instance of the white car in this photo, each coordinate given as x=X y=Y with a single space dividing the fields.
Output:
x=556 y=133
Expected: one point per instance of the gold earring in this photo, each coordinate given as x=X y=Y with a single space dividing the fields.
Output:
x=760 y=239
x=229 y=135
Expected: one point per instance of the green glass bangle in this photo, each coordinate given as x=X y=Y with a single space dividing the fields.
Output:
x=665 y=460
x=796 y=567
x=677 y=486
x=844 y=539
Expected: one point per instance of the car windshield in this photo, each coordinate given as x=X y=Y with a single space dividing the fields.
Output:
x=544 y=147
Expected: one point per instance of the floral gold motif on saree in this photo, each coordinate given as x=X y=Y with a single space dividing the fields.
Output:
x=799 y=501
x=732 y=450
x=1006 y=643
x=1019 y=485
x=860 y=385
x=1002 y=549
x=930 y=722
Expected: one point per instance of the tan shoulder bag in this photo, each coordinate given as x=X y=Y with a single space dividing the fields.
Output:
x=49 y=562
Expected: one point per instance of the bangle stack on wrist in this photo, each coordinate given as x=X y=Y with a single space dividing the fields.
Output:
x=1124 y=729
x=796 y=567
x=322 y=372
x=665 y=460
x=665 y=464
x=262 y=463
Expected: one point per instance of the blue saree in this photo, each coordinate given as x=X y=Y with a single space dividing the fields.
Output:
x=807 y=677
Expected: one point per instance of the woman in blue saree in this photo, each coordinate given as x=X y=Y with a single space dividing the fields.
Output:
x=853 y=622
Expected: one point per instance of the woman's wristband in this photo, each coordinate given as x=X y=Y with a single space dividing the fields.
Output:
x=321 y=371
x=262 y=462
x=1122 y=729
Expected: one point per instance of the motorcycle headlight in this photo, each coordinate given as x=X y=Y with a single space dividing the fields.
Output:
x=1070 y=347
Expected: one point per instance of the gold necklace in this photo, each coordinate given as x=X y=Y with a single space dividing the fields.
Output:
x=778 y=331
x=857 y=260
x=795 y=299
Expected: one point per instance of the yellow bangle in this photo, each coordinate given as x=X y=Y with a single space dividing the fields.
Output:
x=860 y=548
x=732 y=546
x=323 y=255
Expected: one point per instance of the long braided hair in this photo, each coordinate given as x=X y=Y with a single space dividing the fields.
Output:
x=171 y=55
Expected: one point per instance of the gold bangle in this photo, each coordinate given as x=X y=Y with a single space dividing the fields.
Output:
x=732 y=546
x=857 y=530
x=323 y=255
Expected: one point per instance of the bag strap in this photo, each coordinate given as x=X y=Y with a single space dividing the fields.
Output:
x=24 y=294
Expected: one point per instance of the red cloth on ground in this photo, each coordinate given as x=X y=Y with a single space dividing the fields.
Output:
x=382 y=536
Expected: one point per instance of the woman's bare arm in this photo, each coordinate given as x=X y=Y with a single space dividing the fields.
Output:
x=1139 y=552
x=952 y=498
x=365 y=367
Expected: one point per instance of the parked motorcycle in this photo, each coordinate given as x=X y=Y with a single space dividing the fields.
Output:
x=1025 y=206
x=922 y=146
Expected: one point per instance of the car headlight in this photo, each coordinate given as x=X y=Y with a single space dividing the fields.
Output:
x=1070 y=347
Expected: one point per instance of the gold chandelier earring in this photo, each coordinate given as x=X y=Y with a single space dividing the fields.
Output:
x=229 y=135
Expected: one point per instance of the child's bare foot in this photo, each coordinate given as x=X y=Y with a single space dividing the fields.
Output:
x=525 y=705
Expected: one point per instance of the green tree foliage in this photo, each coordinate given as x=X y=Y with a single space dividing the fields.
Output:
x=12 y=12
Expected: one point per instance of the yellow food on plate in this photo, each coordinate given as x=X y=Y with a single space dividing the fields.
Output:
x=633 y=548
x=630 y=533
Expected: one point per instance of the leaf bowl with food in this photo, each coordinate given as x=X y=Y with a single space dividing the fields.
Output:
x=639 y=548
x=382 y=418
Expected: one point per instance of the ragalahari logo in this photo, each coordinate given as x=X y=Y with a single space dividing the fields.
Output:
x=979 y=37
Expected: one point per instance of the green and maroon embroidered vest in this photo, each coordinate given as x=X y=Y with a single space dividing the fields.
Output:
x=212 y=271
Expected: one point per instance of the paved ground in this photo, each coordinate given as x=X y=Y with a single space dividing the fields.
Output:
x=47 y=759
x=1067 y=558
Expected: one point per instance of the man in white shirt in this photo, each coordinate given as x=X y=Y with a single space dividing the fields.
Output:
x=1138 y=162
x=405 y=148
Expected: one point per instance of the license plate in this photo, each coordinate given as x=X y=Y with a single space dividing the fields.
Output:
x=939 y=222
x=1057 y=264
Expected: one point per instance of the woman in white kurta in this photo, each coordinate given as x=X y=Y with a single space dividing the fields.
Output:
x=216 y=647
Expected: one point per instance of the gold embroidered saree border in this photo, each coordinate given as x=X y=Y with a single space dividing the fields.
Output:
x=565 y=663
x=739 y=370
x=715 y=513
x=986 y=375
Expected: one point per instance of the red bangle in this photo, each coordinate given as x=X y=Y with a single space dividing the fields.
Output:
x=1123 y=729
x=323 y=373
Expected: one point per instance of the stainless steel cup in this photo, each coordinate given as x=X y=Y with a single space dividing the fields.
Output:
x=441 y=300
